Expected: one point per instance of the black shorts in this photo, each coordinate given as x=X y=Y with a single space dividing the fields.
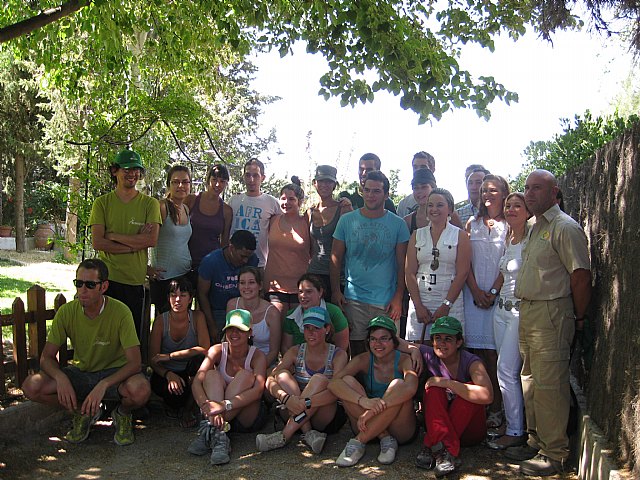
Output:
x=339 y=419
x=258 y=423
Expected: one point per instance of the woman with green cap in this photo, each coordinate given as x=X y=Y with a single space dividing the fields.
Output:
x=228 y=389
x=454 y=399
x=382 y=406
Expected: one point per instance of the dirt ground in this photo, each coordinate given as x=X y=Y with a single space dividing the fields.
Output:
x=159 y=453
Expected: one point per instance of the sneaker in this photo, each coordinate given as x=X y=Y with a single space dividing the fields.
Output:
x=81 y=426
x=388 y=449
x=524 y=452
x=425 y=459
x=124 y=428
x=271 y=441
x=221 y=449
x=445 y=464
x=202 y=444
x=541 y=466
x=352 y=453
x=315 y=440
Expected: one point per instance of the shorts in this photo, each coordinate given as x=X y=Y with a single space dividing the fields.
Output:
x=281 y=297
x=359 y=314
x=339 y=419
x=84 y=382
x=258 y=423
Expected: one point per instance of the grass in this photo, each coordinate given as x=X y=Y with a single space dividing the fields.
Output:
x=10 y=288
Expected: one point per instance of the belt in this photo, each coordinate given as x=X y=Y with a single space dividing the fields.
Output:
x=508 y=305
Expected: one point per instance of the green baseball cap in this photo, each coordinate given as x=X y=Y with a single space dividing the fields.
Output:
x=128 y=159
x=447 y=325
x=240 y=319
x=382 y=321
x=316 y=316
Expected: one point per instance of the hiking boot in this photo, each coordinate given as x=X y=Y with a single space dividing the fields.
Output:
x=425 y=459
x=270 y=441
x=524 y=452
x=81 y=426
x=541 y=466
x=202 y=444
x=352 y=453
x=124 y=428
x=388 y=449
x=220 y=449
x=445 y=464
x=315 y=440
x=507 y=441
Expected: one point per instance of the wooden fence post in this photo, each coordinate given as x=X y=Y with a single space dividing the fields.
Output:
x=19 y=340
x=62 y=353
x=38 y=328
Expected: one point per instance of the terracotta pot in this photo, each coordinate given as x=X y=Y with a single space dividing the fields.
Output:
x=44 y=236
x=5 y=230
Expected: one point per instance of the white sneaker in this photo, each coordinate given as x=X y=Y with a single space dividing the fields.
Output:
x=271 y=441
x=352 y=453
x=315 y=440
x=388 y=450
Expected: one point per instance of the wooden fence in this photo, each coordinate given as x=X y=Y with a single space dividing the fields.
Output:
x=29 y=335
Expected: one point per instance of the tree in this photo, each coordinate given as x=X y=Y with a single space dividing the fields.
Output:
x=408 y=47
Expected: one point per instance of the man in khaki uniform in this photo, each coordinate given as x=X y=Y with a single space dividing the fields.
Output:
x=554 y=285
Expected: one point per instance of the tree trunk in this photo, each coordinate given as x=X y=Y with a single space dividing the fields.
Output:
x=71 y=219
x=21 y=244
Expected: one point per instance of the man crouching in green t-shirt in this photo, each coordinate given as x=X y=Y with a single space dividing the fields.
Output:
x=106 y=359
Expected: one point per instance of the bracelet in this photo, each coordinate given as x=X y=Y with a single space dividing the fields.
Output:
x=360 y=398
x=285 y=399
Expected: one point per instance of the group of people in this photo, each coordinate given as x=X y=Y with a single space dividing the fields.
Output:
x=352 y=310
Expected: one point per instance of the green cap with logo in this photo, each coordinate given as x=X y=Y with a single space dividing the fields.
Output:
x=382 y=321
x=240 y=319
x=447 y=325
x=128 y=159
x=316 y=316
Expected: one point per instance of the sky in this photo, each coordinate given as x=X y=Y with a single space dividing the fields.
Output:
x=578 y=72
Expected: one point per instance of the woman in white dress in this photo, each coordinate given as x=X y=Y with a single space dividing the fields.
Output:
x=438 y=261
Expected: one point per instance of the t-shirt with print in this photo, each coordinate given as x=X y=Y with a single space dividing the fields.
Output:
x=98 y=343
x=126 y=219
x=370 y=258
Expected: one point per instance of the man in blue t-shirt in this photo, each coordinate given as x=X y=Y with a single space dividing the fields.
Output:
x=372 y=242
x=218 y=278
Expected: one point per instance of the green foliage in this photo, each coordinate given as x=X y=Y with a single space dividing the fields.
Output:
x=578 y=142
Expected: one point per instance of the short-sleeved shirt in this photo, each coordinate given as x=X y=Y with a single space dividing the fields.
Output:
x=436 y=368
x=126 y=219
x=223 y=277
x=407 y=205
x=253 y=214
x=370 y=257
x=293 y=321
x=467 y=211
x=555 y=248
x=358 y=202
x=98 y=343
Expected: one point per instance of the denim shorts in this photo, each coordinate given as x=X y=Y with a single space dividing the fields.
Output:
x=84 y=382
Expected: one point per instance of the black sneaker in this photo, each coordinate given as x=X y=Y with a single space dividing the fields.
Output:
x=521 y=453
x=425 y=459
x=445 y=464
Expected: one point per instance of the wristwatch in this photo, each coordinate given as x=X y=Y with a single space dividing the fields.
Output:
x=446 y=302
x=493 y=291
x=307 y=403
x=228 y=405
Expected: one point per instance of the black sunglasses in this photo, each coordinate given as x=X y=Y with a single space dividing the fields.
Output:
x=90 y=284
x=435 y=263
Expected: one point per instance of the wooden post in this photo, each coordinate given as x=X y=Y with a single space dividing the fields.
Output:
x=62 y=353
x=3 y=390
x=38 y=328
x=19 y=340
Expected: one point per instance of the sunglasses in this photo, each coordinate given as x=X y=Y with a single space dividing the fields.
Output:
x=435 y=263
x=90 y=284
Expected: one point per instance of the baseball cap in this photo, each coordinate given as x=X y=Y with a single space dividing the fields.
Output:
x=316 y=316
x=326 y=172
x=383 y=322
x=128 y=159
x=240 y=319
x=447 y=325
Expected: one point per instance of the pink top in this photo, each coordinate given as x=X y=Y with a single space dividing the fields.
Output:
x=222 y=366
x=288 y=256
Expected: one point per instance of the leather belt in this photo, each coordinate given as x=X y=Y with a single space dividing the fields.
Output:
x=508 y=305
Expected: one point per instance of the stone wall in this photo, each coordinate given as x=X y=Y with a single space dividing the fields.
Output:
x=604 y=194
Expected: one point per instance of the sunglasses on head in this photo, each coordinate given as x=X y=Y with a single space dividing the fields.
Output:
x=90 y=284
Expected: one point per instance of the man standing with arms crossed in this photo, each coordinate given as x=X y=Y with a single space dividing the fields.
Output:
x=124 y=224
x=554 y=285
x=373 y=243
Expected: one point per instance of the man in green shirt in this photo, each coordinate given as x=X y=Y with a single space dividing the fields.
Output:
x=106 y=360
x=124 y=224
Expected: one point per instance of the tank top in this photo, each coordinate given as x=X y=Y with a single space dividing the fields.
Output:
x=171 y=252
x=322 y=239
x=303 y=374
x=169 y=345
x=222 y=366
x=510 y=264
x=288 y=257
x=206 y=231
x=261 y=332
x=374 y=388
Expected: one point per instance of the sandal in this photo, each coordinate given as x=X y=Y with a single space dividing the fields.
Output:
x=494 y=419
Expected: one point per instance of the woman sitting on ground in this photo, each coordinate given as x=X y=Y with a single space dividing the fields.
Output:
x=454 y=398
x=228 y=388
x=179 y=341
x=382 y=407
x=299 y=382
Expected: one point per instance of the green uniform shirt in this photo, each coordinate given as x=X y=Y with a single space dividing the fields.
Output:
x=338 y=320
